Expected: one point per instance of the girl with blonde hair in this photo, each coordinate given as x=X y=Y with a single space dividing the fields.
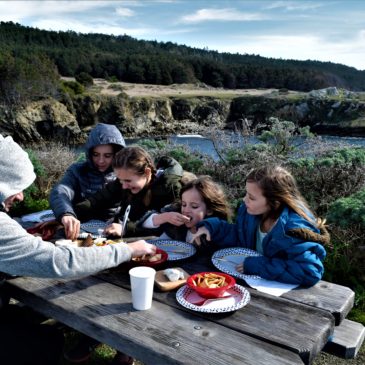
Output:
x=274 y=220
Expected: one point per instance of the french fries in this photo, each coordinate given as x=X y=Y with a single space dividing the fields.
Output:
x=209 y=280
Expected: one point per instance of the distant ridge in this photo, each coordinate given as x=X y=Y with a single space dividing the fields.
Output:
x=127 y=59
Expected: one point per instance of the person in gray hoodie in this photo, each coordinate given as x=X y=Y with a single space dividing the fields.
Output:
x=83 y=179
x=24 y=254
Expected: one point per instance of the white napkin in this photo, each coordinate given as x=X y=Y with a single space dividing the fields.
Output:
x=42 y=216
x=270 y=286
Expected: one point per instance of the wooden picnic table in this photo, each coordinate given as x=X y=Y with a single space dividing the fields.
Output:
x=291 y=329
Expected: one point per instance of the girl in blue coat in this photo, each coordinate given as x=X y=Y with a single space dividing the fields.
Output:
x=275 y=221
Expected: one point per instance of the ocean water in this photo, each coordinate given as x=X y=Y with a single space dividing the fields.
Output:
x=206 y=146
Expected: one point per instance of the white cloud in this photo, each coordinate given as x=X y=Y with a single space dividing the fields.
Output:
x=16 y=10
x=124 y=12
x=294 y=6
x=204 y=15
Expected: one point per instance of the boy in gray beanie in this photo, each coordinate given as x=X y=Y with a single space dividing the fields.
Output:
x=16 y=169
x=23 y=254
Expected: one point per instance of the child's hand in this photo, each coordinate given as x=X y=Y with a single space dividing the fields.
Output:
x=72 y=226
x=114 y=229
x=196 y=236
x=177 y=219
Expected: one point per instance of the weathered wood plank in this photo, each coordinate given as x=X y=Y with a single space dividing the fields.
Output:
x=346 y=340
x=290 y=325
x=336 y=299
x=161 y=335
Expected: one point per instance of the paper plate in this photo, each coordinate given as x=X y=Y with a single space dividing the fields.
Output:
x=227 y=259
x=95 y=227
x=238 y=298
x=177 y=250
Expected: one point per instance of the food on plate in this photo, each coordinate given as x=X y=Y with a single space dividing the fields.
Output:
x=88 y=241
x=173 y=274
x=100 y=241
x=64 y=242
x=209 y=280
x=149 y=258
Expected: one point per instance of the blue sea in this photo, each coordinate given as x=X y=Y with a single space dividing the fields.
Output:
x=206 y=146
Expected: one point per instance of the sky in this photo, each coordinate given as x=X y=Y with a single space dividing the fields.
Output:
x=322 y=30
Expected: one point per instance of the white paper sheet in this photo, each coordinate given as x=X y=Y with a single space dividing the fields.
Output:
x=270 y=286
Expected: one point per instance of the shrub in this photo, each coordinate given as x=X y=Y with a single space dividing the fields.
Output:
x=85 y=79
x=349 y=211
x=281 y=133
x=72 y=87
x=325 y=178
x=50 y=163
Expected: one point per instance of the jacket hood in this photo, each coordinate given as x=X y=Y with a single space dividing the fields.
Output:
x=16 y=169
x=103 y=134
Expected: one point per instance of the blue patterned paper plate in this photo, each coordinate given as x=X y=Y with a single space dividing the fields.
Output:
x=238 y=298
x=177 y=250
x=95 y=227
x=227 y=259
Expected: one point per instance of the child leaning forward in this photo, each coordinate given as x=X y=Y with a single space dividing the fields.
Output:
x=274 y=220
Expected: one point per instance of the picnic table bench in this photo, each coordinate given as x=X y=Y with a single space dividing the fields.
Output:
x=291 y=329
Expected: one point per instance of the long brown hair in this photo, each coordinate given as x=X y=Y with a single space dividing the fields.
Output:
x=212 y=195
x=134 y=158
x=137 y=159
x=280 y=189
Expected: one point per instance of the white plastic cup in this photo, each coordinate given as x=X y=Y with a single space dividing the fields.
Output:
x=142 y=281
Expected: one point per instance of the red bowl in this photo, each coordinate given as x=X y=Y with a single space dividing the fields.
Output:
x=147 y=262
x=210 y=292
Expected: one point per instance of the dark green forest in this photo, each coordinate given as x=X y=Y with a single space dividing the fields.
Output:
x=24 y=49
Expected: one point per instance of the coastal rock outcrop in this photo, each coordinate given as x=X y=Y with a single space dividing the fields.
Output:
x=333 y=112
x=41 y=121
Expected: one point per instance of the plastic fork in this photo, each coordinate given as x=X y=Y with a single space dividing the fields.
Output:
x=226 y=260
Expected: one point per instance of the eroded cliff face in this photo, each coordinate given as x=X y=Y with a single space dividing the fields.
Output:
x=49 y=119
x=40 y=121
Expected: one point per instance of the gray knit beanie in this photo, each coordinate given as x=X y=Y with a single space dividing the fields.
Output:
x=16 y=169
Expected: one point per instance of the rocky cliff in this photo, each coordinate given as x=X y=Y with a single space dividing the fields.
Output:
x=146 y=116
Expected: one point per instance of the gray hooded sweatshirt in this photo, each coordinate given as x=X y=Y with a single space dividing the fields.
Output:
x=82 y=179
x=23 y=254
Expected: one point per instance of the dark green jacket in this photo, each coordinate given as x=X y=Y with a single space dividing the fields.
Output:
x=164 y=189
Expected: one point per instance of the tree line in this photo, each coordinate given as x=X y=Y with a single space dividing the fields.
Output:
x=127 y=59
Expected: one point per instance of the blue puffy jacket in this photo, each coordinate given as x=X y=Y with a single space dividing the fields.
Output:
x=292 y=252
x=82 y=179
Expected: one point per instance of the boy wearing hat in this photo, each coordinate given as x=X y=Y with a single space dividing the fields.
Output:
x=23 y=254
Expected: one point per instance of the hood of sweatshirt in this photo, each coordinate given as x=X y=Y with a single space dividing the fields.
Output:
x=103 y=134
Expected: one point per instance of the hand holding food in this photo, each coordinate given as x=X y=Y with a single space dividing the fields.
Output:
x=196 y=236
x=175 y=218
x=72 y=226
x=141 y=247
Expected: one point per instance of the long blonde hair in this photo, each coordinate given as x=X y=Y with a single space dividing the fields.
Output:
x=280 y=189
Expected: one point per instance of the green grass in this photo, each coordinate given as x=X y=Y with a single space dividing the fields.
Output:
x=102 y=355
